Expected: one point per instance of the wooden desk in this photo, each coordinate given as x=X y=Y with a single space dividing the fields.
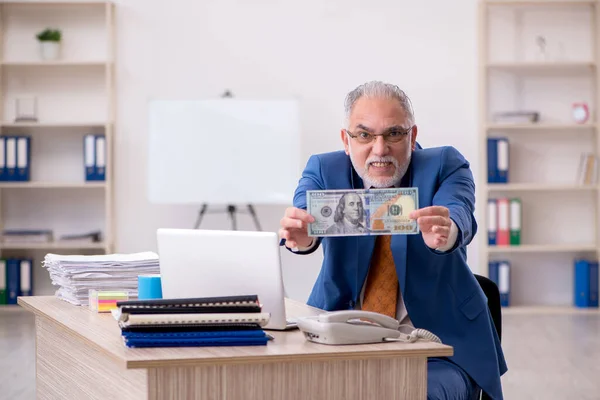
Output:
x=81 y=355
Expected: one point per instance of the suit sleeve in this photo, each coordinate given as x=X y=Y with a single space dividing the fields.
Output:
x=457 y=193
x=311 y=179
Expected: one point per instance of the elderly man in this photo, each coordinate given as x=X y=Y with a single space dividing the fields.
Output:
x=432 y=286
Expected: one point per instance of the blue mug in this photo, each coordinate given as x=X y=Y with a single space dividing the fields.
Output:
x=149 y=287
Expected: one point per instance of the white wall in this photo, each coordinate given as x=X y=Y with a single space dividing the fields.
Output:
x=313 y=50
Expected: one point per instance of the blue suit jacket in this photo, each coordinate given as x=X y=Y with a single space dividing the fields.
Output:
x=440 y=291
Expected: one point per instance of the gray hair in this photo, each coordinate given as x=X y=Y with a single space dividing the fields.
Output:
x=378 y=89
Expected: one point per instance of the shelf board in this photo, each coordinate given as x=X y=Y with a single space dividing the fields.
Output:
x=540 y=2
x=58 y=63
x=540 y=127
x=541 y=66
x=58 y=245
x=538 y=187
x=42 y=125
x=548 y=310
x=54 y=3
x=52 y=185
x=543 y=248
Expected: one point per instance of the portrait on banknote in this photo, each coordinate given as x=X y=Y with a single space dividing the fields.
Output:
x=349 y=215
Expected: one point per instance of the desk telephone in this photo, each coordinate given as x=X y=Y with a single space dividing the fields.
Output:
x=357 y=327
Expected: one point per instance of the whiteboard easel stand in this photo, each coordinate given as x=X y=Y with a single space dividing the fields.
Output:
x=231 y=210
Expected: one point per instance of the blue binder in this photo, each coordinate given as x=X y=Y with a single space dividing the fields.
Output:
x=23 y=158
x=13 y=280
x=499 y=273
x=89 y=157
x=11 y=158
x=26 y=277
x=2 y=281
x=504 y=282
x=100 y=157
x=493 y=271
x=492 y=224
x=593 y=270
x=3 y=175
x=581 y=290
x=503 y=160
x=498 y=160
x=492 y=160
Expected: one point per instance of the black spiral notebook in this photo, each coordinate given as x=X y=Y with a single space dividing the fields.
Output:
x=199 y=305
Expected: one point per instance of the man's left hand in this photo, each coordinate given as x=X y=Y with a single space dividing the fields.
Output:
x=435 y=223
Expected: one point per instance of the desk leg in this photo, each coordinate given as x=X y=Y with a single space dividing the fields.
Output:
x=383 y=378
x=69 y=367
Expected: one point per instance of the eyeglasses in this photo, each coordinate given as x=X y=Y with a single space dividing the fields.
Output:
x=391 y=136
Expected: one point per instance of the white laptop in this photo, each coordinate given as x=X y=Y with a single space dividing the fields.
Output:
x=206 y=263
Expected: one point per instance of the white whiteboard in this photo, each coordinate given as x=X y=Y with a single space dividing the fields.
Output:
x=223 y=151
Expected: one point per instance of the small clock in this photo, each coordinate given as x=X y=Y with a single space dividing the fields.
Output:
x=581 y=113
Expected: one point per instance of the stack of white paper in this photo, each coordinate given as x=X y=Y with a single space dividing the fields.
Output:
x=76 y=274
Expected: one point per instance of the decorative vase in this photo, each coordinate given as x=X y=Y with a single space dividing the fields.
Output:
x=50 y=50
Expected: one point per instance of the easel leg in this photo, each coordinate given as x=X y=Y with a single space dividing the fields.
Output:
x=231 y=210
x=200 y=215
x=254 y=217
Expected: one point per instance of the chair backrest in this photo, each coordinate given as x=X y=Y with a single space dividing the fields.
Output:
x=493 y=295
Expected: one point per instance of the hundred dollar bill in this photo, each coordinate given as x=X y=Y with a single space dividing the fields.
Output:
x=362 y=212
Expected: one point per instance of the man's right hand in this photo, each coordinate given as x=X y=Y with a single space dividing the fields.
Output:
x=294 y=228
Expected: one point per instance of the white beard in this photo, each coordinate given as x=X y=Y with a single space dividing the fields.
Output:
x=380 y=182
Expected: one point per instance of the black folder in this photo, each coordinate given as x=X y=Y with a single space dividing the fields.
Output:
x=199 y=305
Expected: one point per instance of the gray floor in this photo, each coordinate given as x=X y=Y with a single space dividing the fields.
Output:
x=549 y=356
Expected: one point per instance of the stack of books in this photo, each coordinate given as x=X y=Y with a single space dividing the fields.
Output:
x=195 y=322
x=76 y=275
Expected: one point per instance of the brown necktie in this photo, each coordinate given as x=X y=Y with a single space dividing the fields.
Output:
x=381 y=292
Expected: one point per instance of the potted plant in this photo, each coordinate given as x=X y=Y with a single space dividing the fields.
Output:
x=50 y=40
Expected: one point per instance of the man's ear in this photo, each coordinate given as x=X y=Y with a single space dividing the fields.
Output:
x=344 y=137
x=413 y=138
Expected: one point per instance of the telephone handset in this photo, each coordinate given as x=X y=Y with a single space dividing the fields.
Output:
x=357 y=327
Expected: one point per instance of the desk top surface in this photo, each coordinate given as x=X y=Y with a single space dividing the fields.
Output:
x=102 y=331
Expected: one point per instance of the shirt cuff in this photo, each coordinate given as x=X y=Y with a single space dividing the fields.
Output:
x=451 y=237
x=301 y=248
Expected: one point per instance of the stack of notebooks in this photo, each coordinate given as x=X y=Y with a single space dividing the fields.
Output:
x=75 y=275
x=207 y=321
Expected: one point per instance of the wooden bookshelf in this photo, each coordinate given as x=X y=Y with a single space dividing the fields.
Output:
x=544 y=155
x=75 y=97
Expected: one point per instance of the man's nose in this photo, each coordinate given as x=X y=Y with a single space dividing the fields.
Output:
x=380 y=146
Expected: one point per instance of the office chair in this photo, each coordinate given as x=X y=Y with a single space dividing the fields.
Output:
x=490 y=289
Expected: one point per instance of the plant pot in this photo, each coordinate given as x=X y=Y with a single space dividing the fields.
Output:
x=49 y=50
